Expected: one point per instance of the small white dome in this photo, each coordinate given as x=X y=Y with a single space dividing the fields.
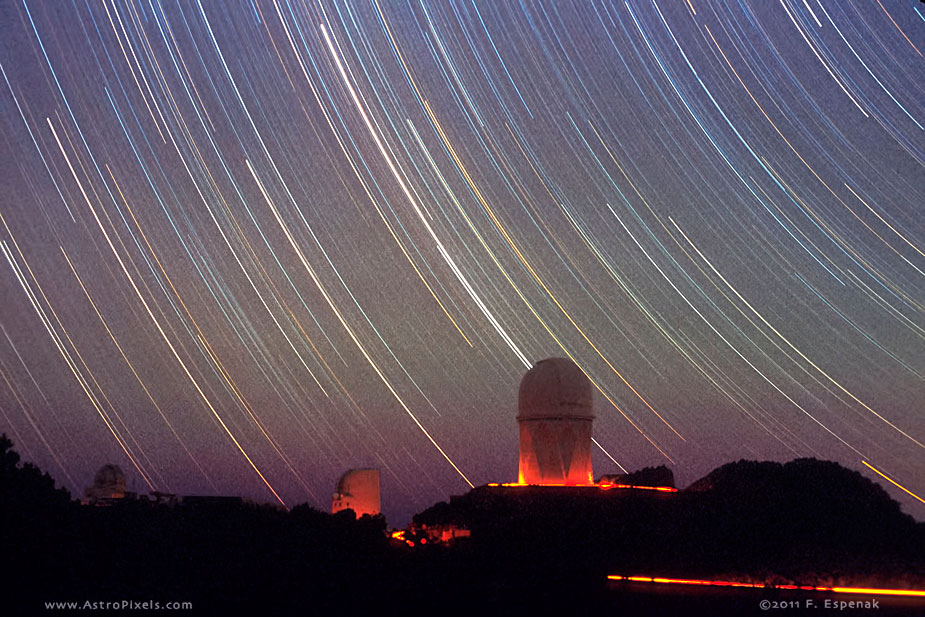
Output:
x=357 y=490
x=555 y=388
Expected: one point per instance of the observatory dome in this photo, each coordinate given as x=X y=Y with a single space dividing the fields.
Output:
x=109 y=476
x=555 y=411
x=555 y=388
x=108 y=484
x=357 y=490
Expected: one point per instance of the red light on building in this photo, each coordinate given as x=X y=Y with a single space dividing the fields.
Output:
x=605 y=486
x=357 y=490
x=555 y=409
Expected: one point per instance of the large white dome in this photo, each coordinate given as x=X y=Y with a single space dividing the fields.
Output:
x=110 y=476
x=555 y=388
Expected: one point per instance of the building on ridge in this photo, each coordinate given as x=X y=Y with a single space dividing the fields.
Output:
x=357 y=490
x=555 y=410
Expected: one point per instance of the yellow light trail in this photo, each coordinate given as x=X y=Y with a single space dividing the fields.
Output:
x=157 y=324
x=131 y=367
x=345 y=325
x=414 y=203
x=891 y=481
x=242 y=401
x=526 y=302
x=751 y=585
x=71 y=364
x=793 y=347
x=836 y=237
x=516 y=249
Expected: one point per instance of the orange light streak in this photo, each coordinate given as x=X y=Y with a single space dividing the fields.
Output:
x=664 y=489
x=751 y=585
x=900 y=29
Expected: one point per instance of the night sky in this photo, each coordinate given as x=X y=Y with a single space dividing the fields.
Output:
x=250 y=245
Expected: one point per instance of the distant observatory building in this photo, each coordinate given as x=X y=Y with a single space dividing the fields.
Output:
x=108 y=484
x=555 y=410
x=357 y=490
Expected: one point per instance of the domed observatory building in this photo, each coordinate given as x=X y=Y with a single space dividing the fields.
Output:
x=555 y=411
x=108 y=484
x=357 y=490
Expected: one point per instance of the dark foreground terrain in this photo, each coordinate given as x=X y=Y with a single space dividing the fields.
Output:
x=532 y=550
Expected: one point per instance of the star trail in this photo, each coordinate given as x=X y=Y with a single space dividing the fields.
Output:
x=249 y=245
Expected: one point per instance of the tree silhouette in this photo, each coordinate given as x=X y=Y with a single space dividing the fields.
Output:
x=539 y=549
x=25 y=486
x=36 y=530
